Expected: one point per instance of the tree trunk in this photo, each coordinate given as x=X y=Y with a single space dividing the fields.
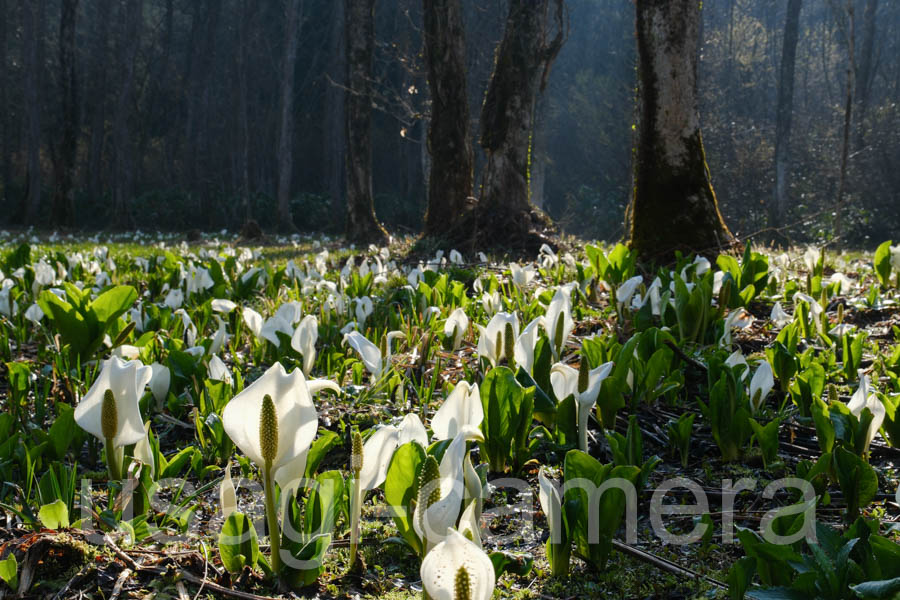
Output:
x=784 y=114
x=362 y=226
x=121 y=139
x=506 y=216
x=33 y=32
x=286 y=128
x=335 y=145
x=5 y=133
x=97 y=105
x=248 y=7
x=673 y=205
x=848 y=120
x=452 y=159
x=64 y=194
x=865 y=73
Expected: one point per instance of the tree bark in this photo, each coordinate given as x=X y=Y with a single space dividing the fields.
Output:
x=248 y=7
x=64 y=195
x=286 y=128
x=335 y=146
x=362 y=226
x=505 y=214
x=783 y=119
x=865 y=73
x=5 y=133
x=97 y=106
x=452 y=158
x=673 y=204
x=33 y=32
x=121 y=138
x=848 y=120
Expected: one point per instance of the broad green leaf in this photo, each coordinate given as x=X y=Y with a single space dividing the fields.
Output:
x=238 y=544
x=882 y=263
x=401 y=487
x=54 y=515
x=319 y=448
x=857 y=479
x=9 y=571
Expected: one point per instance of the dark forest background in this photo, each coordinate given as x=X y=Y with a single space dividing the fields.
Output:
x=167 y=114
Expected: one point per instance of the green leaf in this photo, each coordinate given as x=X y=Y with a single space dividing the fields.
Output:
x=9 y=569
x=400 y=488
x=510 y=562
x=323 y=444
x=109 y=305
x=54 y=515
x=238 y=544
x=857 y=479
x=505 y=404
x=885 y=588
x=63 y=431
x=584 y=510
x=882 y=262
x=740 y=576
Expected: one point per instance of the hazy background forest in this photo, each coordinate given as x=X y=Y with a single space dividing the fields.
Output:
x=169 y=113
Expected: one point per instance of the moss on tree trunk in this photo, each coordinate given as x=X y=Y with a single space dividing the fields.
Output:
x=673 y=205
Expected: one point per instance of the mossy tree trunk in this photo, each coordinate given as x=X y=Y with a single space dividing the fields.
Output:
x=673 y=204
x=362 y=226
x=452 y=159
x=534 y=34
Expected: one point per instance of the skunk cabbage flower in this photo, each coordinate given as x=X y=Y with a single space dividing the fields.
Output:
x=380 y=447
x=815 y=309
x=304 y=341
x=779 y=316
x=219 y=340
x=174 y=299
x=461 y=408
x=222 y=305
x=558 y=319
x=253 y=320
x=737 y=358
x=371 y=355
x=227 y=494
x=273 y=422
x=455 y=327
x=109 y=410
x=627 y=290
x=761 y=384
x=525 y=343
x=558 y=547
x=273 y=326
x=457 y=569
x=490 y=302
x=441 y=489
x=811 y=257
x=585 y=385
x=364 y=308
x=862 y=398
x=159 y=382
x=736 y=319
x=100 y=415
x=218 y=371
x=521 y=276
x=498 y=338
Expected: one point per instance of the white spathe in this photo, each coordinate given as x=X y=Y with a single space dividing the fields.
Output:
x=441 y=566
x=126 y=380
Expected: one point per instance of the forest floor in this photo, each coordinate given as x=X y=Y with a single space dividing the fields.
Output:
x=181 y=559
